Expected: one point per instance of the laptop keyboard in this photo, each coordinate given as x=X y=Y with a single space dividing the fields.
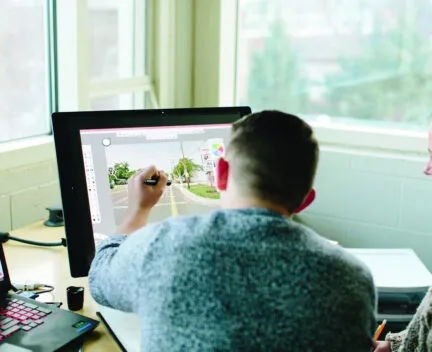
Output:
x=19 y=315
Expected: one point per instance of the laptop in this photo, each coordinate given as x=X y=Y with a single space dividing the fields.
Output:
x=28 y=325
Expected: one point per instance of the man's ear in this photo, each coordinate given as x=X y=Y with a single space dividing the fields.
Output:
x=308 y=201
x=222 y=169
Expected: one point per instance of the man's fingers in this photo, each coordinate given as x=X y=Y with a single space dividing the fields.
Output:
x=146 y=173
x=163 y=179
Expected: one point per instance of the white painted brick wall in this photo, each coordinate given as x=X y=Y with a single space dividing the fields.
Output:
x=5 y=213
x=372 y=200
x=22 y=178
x=25 y=192
x=30 y=205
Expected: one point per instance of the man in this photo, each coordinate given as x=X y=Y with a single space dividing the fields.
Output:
x=244 y=278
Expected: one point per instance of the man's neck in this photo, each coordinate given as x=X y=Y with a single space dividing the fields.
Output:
x=241 y=203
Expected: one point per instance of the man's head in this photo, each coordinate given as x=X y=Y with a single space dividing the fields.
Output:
x=271 y=159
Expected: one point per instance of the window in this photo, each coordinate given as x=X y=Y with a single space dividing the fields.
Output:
x=24 y=89
x=362 y=62
x=115 y=43
x=107 y=66
x=117 y=53
x=92 y=53
x=118 y=43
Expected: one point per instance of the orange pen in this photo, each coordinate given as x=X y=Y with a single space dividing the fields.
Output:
x=379 y=330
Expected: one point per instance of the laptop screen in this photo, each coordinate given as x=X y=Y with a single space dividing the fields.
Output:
x=187 y=154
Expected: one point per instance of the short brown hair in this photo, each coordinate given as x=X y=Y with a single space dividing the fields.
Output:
x=274 y=157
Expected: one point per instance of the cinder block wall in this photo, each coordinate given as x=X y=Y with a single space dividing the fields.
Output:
x=373 y=200
x=28 y=184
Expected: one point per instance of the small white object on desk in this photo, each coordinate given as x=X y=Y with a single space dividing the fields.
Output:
x=99 y=237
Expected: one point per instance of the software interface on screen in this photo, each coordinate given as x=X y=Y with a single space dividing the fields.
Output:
x=187 y=154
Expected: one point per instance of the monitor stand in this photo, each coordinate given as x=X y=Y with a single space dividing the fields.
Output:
x=124 y=328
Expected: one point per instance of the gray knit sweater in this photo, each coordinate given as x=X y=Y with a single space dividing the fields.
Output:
x=237 y=280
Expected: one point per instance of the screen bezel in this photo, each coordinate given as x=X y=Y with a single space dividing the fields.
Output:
x=73 y=186
x=5 y=286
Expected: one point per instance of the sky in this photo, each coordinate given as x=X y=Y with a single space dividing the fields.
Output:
x=163 y=155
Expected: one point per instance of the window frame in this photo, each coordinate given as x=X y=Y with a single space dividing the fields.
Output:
x=333 y=134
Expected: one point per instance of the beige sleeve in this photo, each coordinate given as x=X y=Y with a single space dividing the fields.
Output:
x=417 y=337
x=396 y=339
x=427 y=323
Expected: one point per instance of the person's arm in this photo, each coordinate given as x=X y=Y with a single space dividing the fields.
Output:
x=116 y=269
x=418 y=332
x=429 y=333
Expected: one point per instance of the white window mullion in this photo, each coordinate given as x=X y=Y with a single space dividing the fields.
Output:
x=141 y=36
x=83 y=51
x=228 y=52
x=149 y=50
x=140 y=30
x=73 y=55
x=165 y=52
x=126 y=47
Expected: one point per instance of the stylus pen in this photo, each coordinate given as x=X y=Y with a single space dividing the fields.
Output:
x=154 y=182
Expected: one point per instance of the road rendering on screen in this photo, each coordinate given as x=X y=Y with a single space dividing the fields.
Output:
x=176 y=200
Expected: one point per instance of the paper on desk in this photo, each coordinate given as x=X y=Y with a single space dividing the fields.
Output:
x=125 y=326
x=99 y=237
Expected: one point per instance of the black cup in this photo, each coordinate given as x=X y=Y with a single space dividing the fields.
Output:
x=75 y=297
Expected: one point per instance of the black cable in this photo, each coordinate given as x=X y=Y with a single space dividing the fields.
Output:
x=80 y=347
x=4 y=237
x=49 y=289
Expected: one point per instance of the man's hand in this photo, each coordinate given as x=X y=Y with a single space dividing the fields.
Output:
x=382 y=346
x=142 y=198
